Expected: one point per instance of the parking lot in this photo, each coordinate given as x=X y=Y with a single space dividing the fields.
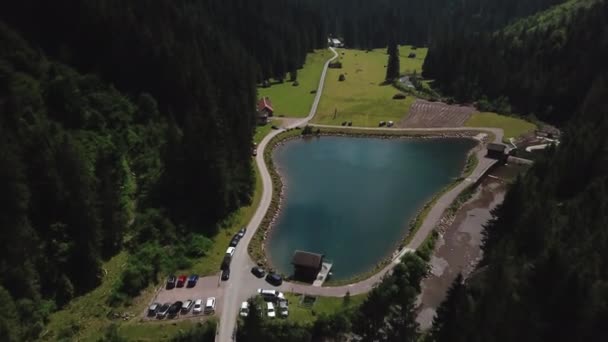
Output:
x=205 y=287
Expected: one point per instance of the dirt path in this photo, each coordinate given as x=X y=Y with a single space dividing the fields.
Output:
x=459 y=248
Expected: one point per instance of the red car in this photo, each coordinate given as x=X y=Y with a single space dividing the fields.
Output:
x=181 y=280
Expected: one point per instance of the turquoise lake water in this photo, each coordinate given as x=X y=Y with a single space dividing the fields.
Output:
x=352 y=199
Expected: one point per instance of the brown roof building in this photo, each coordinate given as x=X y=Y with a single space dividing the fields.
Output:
x=306 y=265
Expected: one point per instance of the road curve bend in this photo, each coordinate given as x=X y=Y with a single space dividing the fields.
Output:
x=236 y=289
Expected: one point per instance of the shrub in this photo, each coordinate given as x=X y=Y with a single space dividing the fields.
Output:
x=399 y=96
x=342 y=78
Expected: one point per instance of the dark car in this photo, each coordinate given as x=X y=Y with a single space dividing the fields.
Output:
x=235 y=240
x=274 y=279
x=242 y=232
x=162 y=311
x=174 y=309
x=181 y=280
x=192 y=280
x=258 y=272
x=226 y=274
x=153 y=309
x=171 y=281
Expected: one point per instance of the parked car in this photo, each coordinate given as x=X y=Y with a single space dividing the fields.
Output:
x=344 y=123
x=242 y=232
x=226 y=262
x=258 y=272
x=187 y=305
x=210 y=305
x=171 y=280
x=152 y=309
x=192 y=280
x=254 y=152
x=382 y=123
x=283 y=308
x=181 y=280
x=271 y=295
x=226 y=274
x=198 y=306
x=390 y=124
x=163 y=310
x=230 y=251
x=174 y=309
x=350 y=123
x=270 y=310
x=244 y=309
x=235 y=240
x=274 y=279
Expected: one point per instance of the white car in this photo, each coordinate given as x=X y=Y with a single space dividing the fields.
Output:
x=244 y=309
x=230 y=251
x=271 y=295
x=270 y=310
x=210 y=305
x=283 y=308
x=198 y=306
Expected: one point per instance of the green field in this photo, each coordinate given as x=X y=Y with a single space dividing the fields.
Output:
x=293 y=101
x=363 y=98
x=85 y=318
x=261 y=132
x=327 y=305
x=513 y=127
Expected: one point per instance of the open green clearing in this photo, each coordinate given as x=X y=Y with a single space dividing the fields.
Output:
x=261 y=132
x=86 y=317
x=513 y=127
x=327 y=305
x=363 y=98
x=293 y=101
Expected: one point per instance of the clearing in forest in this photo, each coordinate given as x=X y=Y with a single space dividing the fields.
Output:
x=425 y=114
x=512 y=126
x=362 y=97
x=295 y=101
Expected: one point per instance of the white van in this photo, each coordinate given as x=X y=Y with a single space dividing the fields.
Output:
x=271 y=295
x=244 y=309
x=210 y=305
x=270 y=310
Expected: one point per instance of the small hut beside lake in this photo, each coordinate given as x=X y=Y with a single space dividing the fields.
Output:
x=496 y=151
x=306 y=265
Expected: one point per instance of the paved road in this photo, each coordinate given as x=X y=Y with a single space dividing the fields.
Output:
x=243 y=284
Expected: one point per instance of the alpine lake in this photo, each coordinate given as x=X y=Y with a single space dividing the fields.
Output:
x=352 y=199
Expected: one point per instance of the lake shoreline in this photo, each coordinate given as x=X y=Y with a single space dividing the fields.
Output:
x=260 y=252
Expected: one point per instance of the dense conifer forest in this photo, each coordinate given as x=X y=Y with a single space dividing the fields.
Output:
x=127 y=126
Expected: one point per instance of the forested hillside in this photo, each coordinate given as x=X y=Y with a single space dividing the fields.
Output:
x=126 y=126
x=544 y=276
x=369 y=24
x=542 y=65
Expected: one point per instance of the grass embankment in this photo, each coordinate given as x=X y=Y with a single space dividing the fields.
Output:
x=295 y=101
x=261 y=132
x=255 y=248
x=87 y=316
x=304 y=314
x=363 y=97
x=512 y=126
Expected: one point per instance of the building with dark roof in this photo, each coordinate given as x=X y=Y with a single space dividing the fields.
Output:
x=265 y=110
x=496 y=151
x=306 y=265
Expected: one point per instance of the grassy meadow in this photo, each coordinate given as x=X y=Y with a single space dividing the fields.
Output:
x=512 y=126
x=363 y=97
x=291 y=101
x=326 y=305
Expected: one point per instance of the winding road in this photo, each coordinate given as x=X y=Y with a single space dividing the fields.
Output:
x=243 y=284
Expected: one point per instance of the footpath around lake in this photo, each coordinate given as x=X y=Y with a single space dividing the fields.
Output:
x=243 y=285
